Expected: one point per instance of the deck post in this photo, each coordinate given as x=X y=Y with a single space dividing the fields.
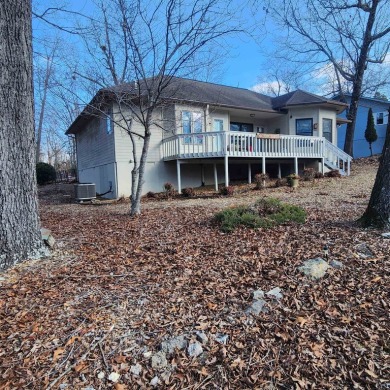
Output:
x=215 y=177
x=202 y=172
x=323 y=166
x=349 y=167
x=296 y=165
x=226 y=170
x=279 y=171
x=263 y=165
x=178 y=176
x=249 y=173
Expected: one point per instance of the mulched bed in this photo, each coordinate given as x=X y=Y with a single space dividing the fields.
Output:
x=117 y=287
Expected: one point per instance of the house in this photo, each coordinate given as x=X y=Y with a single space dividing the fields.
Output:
x=381 y=117
x=206 y=133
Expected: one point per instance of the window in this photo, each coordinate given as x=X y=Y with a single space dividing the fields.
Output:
x=244 y=127
x=109 y=121
x=304 y=126
x=192 y=123
x=327 y=129
x=218 y=125
x=382 y=118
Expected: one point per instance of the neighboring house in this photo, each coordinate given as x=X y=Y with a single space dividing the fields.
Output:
x=381 y=117
x=207 y=133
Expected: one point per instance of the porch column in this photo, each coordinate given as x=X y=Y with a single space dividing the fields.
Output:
x=279 y=171
x=178 y=176
x=216 y=177
x=226 y=170
x=323 y=165
x=263 y=165
x=296 y=165
x=349 y=167
x=249 y=173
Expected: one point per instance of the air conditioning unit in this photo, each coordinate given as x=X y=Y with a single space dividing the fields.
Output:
x=85 y=191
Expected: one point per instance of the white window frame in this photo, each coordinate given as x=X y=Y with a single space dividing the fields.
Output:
x=384 y=115
x=195 y=119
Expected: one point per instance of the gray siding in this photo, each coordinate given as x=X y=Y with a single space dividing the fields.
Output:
x=94 y=145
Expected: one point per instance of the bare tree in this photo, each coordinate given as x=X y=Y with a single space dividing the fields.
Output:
x=377 y=213
x=43 y=81
x=149 y=45
x=19 y=221
x=352 y=35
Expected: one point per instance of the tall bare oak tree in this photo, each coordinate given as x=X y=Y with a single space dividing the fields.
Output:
x=350 y=34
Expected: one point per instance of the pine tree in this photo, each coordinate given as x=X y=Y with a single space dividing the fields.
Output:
x=370 y=133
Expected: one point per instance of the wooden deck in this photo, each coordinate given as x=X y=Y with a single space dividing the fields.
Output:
x=251 y=145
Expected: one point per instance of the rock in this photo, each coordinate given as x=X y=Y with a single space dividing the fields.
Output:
x=159 y=360
x=386 y=235
x=364 y=251
x=47 y=238
x=147 y=354
x=155 y=381
x=101 y=375
x=258 y=295
x=275 y=293
x=170 y=345
x=256 y=307
x=221 y=338
x=114 y=377
x=136 y=369
x=201 y=336
x=314 y=268
x=63 y=386
x=194 y=349
x=336 y=264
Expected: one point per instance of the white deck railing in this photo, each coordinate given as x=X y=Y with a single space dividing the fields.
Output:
x=238 y=144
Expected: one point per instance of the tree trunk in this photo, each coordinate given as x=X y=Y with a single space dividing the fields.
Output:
x=19 y=221
x=378 y=209
x=358 y=81
x=136 y=201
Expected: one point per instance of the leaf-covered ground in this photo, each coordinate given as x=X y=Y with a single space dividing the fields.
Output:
x=117 y=287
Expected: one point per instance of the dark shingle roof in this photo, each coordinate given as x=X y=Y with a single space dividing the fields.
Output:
x=193 y=91
x=296 y=98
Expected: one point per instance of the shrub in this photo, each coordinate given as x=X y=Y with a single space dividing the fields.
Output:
x=226 y=191
x=260 y=179
x=333 y=173
x=45 y=173
x=188 y=192
x=318 y=175
x=151 y=194
x=281 y=183
x=169 y=189
x=308 y=174
x=265 y=213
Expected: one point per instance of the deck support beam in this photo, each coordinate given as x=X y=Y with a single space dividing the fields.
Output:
x=279 y=171
x=216 y=177
x=323 y=166
x=249 y=173
x=226 y=170
x=263 y=165
x=296 y=165
x=178 y=176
